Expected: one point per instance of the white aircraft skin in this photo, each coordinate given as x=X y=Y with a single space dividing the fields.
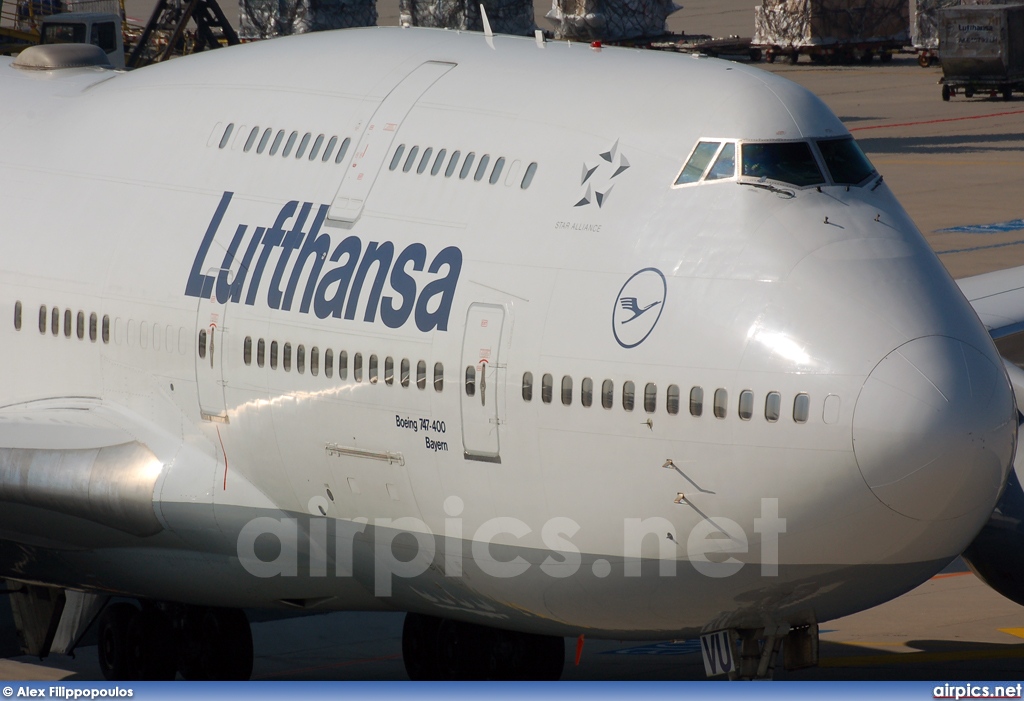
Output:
x=120 y=200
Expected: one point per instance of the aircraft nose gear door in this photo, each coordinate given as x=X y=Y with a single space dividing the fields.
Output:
x=208 y=346
x=483 y=380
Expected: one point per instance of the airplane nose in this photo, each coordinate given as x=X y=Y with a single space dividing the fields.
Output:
x=934 y=429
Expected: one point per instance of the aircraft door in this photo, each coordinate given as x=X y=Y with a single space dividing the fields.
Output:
x=375 y=141
x=209 y=350
x=482 y=375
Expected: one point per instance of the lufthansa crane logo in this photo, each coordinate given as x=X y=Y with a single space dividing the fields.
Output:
x=638 y=307
x=598 y=177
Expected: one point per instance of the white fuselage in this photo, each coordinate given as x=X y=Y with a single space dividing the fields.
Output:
x=124 y=195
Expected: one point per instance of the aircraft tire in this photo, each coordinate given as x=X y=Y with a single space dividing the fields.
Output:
x=419 y=647
x=115 y=658
x=218 y=646
x=151 y=647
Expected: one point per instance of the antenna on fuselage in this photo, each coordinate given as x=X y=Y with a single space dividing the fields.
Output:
x=487 y=24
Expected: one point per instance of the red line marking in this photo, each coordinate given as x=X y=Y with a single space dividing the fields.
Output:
x=225 y=459
x=951 y=574
x=936 y=121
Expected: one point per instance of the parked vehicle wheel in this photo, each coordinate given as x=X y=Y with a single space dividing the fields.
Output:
x=945 y=93
x=885 y=56
x=968 y=92
x=1007 y=92
x=924 y=60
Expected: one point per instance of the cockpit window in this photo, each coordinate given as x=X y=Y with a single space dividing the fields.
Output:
x=725 y=164
x=698 y=162
x=846 y=163
x=789 y=162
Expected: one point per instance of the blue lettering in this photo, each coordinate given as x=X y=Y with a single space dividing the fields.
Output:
x=331 y=286
x=200 y=285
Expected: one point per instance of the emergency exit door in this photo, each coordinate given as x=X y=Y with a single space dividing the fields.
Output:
x=483 y=374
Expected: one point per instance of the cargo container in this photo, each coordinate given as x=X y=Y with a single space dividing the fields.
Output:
x=982 y=50
x=924 y=24
x=833 y=31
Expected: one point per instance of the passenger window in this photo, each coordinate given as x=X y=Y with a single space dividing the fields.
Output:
x=263 y=140
x=438 y=162
x=247 y=350
x=405 y=372
x=746 y=404
x=425 y=161
x=357 y=367
x=67 y=323
x=373 y=368
x=725 y=164
x=286 y=358
x=650 y=397
x=499 y=165
x=55 y=321
x=628 y=390
x=481 y=169
x=342 y=150
x=698 y=162
x=470 y=381
x=438 y=377
x=546 y=388
x=331 y=143
x=721 y=403
x=106 y=333
x=300 y=359
x=94 y=323
x=80 y=326
x=42 y=319
x=315 y=151
x=273 y=355
x=289 y=144
x=801 y=408
x=314 y=361
x=299 y=152
x=452 y=164
x=527 y=386
x=467 y=165
x=531 y=170
x=17 y=316
x=587 y=392
x=389 y=370
x=227 y=135
x=276 y=146
x=607 y=394
x=252 y=139
x=202 y=343
x=343 y=365
x=397 y=158
x=410 y=161
x=261 y=351
x=672 y=400
x=566 y=390
x=696 y=401
x=329 y=363
x=421 y=375
x=789 y=162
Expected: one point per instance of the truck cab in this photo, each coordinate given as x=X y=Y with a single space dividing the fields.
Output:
x=100 y=28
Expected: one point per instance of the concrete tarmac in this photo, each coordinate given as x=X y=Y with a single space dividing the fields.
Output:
x=958 y=168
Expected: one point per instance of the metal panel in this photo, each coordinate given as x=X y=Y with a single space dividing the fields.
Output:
x=377 y=137
x=208 y=347
x=481 y=351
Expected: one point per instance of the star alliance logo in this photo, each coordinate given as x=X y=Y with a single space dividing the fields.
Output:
x=597 y=177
